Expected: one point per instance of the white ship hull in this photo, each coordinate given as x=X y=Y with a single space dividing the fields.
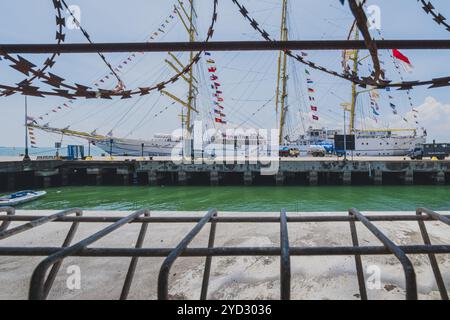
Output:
x=366 y=145
x=167 y=146
x=385 y=146
x=137 y=148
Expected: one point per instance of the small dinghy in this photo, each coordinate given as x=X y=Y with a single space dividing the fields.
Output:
x=21 y=197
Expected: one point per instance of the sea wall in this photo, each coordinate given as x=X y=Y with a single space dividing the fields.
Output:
x=16 y=175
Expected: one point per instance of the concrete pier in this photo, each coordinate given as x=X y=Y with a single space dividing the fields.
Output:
x=248 y=178
x=279 y=179
x=125 y=175
x=11 y=182
x=347 y=178
x=396 y=171
x=152 y=178
x=440 y=178
x=64 y=178
x=214 y=178
x=182 y=178
x=378 y=177
x=313 y=178
x=409 y=177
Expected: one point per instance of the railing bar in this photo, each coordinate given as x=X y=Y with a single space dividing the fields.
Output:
x=433 y=262
x=10 y=212
x=358 y=262
x=55 y=269
x=224 y=251
x=250 y=219
x=434 y=215
x=410 y=275
x=132 y=267
x=207 y=272
x=163 y=278
x=285 y=259
x=36 y=223
x=37 y=280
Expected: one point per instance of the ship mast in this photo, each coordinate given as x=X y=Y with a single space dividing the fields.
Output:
x=355 y=59
x=187 y=17
x=192 y=89
x=280 y=102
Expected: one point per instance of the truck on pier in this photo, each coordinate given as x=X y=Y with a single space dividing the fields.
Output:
x=430 y=150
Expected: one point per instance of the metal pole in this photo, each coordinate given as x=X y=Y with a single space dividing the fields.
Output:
x=345 y=138
x=27 y=156
x=437 y=44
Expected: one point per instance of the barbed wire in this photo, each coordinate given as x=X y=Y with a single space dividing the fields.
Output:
x=348 y=75
x=74 y=91
x=429 y=8
x=88 y=38
x=50 y=61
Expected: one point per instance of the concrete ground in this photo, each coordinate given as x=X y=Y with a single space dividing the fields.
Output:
x=231 y=277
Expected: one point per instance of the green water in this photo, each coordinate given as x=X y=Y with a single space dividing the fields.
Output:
x=333 y=198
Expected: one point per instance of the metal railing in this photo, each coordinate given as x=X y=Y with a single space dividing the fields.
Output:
x=41 y=283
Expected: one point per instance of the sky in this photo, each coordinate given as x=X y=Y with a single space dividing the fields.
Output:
x=248 y=78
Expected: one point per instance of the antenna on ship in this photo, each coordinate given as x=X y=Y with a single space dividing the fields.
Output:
x=281 y=93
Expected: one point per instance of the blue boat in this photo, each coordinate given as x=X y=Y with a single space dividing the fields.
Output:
x=21 y=197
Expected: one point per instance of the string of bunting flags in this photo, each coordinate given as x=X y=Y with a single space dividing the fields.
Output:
x=123 y=64
x=31 y=135
x=374 y=106
x=218 y=109
x=397 y=56
x=311 y=93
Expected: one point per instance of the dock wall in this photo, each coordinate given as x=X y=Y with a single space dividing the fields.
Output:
x=21 y=175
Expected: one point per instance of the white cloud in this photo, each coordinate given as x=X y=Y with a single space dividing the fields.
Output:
x=435 y=117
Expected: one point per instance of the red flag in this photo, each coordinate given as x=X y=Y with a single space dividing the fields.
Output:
x=218 y=120
x=212 y=69
x=407 y=65
x=313 y=108
x=315 y=118
x=400 y=56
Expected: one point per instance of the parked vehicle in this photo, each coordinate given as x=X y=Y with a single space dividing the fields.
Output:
x=430 y=150
x=289 y=152
x=294 y=152
x=317 y=151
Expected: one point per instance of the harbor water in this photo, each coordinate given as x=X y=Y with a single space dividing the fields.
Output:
x=248 y=199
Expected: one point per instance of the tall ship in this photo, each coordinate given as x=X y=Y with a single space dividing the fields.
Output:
x=304 y=134
x=369 y=141
x=220 y=138
x=377 y=142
